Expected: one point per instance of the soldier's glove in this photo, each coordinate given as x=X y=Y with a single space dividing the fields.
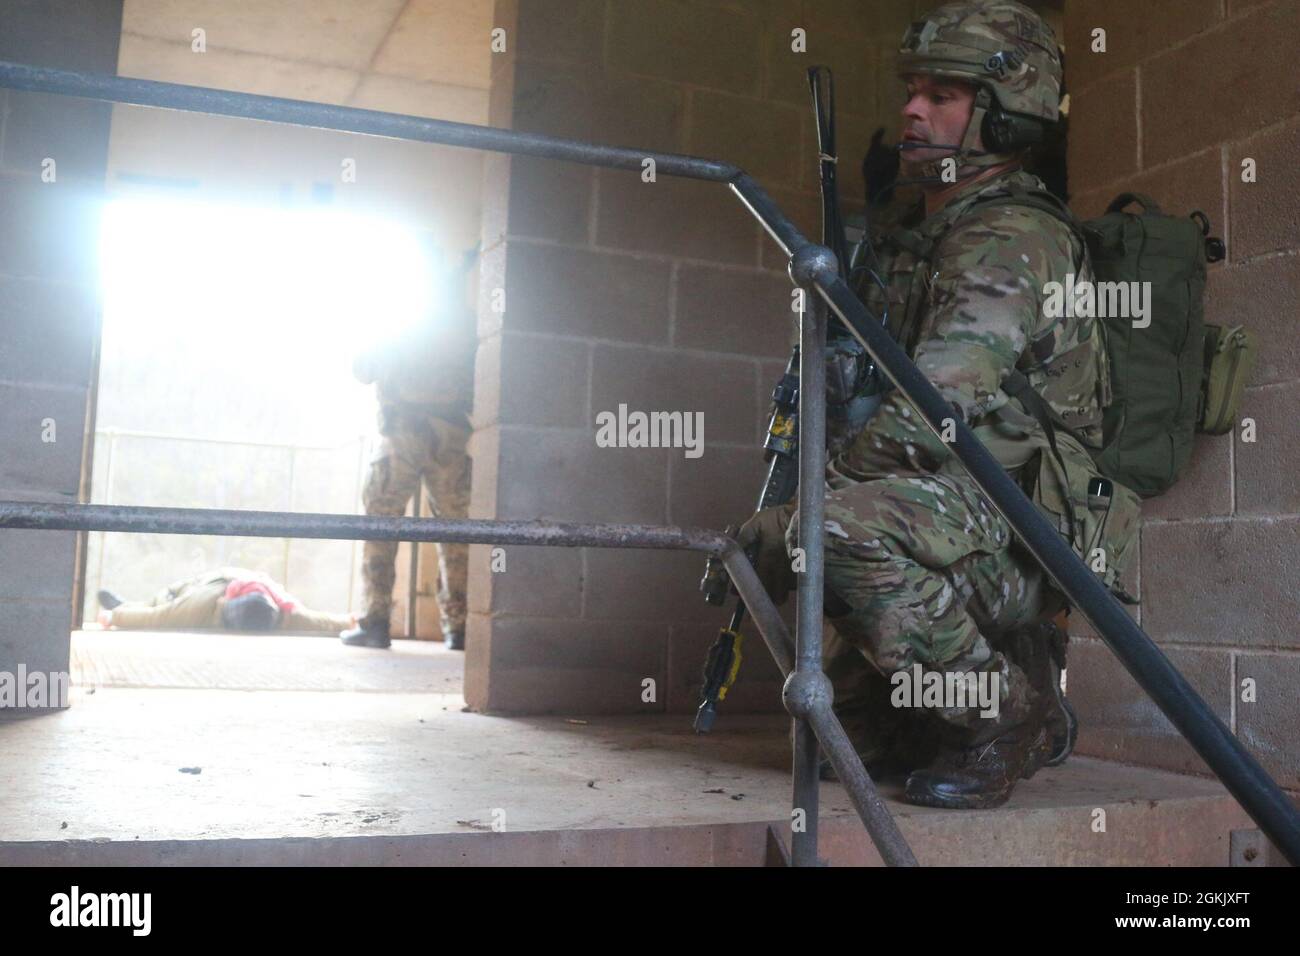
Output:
x=762 y=538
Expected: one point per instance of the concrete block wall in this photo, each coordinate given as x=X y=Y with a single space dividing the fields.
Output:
x=663 y=296
x=1181 y=97
x=49 y=314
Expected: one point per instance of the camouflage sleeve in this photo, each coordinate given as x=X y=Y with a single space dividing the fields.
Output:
x=984 y=298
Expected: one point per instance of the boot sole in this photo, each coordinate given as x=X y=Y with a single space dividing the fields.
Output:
x=983 y=802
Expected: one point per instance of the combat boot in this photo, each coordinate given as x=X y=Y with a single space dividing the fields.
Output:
x=454 y=639
x=979 y=768
x=367 y=633
x=892 y=750
x=1039 y=650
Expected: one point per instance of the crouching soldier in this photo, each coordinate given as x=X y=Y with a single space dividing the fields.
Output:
x=920 y=568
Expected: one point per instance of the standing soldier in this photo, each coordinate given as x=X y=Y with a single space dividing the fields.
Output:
x=425 y=385
x=920 y=568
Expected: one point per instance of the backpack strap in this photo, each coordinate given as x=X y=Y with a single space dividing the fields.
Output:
x=1017 y=386
x=1142 y=199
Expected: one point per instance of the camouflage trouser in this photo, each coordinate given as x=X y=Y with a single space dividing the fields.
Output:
x=927 y=569
x=429 y=449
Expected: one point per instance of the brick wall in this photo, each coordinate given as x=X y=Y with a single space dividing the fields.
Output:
x=1185 y=92
x=663 y=296
x=48 y=308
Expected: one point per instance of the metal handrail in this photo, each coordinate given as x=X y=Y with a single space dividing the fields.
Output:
x=807 y=694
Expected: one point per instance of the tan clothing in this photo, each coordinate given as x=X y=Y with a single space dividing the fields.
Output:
x=195 y=604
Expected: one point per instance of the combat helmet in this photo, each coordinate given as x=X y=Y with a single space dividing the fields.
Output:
x=1012 y=56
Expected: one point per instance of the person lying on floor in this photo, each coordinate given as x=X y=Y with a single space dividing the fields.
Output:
x=233 y=599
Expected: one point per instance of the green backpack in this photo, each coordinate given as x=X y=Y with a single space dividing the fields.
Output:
x=1166 y=382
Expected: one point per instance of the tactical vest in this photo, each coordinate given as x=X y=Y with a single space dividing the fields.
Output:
x=1063 y=368
x=1065 y=361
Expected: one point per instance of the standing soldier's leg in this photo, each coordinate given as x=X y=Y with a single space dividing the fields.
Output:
x=448 y=478
x=393 y=479
x=922 y=565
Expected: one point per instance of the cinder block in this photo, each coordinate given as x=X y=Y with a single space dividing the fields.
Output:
x=70 y=131
x=478 y=655
x=31 y=462
x=534 y=582
x=805 y=211
x=1179 y=187
x=717 y=387
x=694 y=44
x=562 y=475
x=485 y=453
x=761 y=137
x=579 y=292
x=51 y=229
x=36 y=565
x=553 y=98
x=549 y=200
x=758 y=685
x=673 y=217
x=716 y=490
x=544 y=381
x=543 y=666
x=487 y=382
x=1104 y=131
x=49 y=331
x=785 y=79
x=1236 y=7
x=1264 y=296
x=1264 y=212
x=1204 y=489
x=639 y=113
x=1268 y=481
x=1134 y=32
x=75 y=35
x=1118 y=721
x=1270 y=725
x=36 y=635
x=576 y=37
x=1222 y=582
x=1224 y=73
x=729 y=310
x=880 y=19
x=635 y=585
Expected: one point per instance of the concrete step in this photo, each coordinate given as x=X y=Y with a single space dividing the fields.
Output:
x=194 y=777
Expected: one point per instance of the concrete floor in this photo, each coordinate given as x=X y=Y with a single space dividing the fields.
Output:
x=290 y=773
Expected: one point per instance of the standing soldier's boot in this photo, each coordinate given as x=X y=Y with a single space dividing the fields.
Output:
x=983 y=764
x=367 y=633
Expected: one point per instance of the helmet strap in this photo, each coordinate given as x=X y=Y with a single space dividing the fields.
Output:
x=968 y=154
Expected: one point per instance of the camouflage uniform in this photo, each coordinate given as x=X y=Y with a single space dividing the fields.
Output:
x=927 y=565
x=425 y=386
x=920 y=568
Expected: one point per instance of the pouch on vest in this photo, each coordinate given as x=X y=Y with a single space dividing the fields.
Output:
x=1229 y=358
x=1105 y=513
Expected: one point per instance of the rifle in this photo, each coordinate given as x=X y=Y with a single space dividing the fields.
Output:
x=853 y=387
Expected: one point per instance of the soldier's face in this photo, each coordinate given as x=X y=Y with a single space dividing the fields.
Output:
x=937 y=111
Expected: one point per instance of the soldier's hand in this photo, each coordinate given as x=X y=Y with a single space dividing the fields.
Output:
x=762 y=537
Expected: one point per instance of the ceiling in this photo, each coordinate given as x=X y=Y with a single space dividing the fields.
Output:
x=424 y=57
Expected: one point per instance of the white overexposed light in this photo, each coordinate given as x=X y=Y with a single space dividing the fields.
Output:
x=305 y=277
x=281 y=292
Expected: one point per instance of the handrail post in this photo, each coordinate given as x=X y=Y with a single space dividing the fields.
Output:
x=807 y=683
